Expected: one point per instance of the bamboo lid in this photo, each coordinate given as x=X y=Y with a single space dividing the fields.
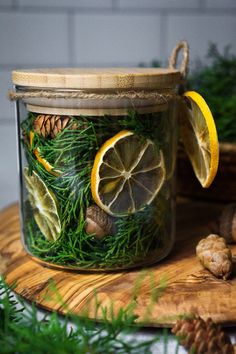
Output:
x=97 y=78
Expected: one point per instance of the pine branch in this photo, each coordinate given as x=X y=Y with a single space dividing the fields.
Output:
x=22 y=332
x=72 y=152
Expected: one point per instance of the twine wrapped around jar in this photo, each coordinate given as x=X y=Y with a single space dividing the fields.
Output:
x=161 y=97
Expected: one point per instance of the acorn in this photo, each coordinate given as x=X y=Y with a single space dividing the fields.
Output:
x=98 y=222
x=227 y=223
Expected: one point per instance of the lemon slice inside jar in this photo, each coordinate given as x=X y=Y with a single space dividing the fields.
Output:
x=48 y=167
x=199 y=136
x=127 y=174
x=44 y=205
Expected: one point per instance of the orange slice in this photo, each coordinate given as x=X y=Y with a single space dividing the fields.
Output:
x=199 y=136
x=127 y=174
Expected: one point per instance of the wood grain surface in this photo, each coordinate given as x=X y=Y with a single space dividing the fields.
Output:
x=189 y=289
x=98 y=78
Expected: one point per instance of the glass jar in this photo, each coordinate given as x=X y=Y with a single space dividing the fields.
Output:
x=97 y=151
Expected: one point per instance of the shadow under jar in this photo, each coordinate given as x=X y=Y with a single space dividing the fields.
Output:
x=97 y=152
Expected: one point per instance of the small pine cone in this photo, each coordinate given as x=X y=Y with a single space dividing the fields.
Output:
x=50 y=125
x=215 y=256
x=202 y=337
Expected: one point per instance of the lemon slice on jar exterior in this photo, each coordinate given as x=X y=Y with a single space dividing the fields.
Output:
x=199 y=137
x=127 y=174
x=44 y=205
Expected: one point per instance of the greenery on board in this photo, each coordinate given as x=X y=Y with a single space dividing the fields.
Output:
x=72 y=152
x=23 y=332
x=215 y=79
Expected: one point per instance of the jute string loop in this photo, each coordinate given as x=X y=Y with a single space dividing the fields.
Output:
x=185 y=61
x=160 y=97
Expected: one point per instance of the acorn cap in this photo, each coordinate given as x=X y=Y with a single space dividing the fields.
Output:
x=96 y=216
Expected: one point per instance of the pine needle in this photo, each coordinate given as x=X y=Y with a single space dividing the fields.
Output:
x=23 y=332
x=139 y=236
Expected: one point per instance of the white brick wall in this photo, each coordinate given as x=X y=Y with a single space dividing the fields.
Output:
x=7 y=3
x=7 y=108
x=158 y=4
x=117 y=39
x=9 y=174
x=68 y=3
x=225 y=4
x=33 y=38
x=200 y=30
x=97 y=32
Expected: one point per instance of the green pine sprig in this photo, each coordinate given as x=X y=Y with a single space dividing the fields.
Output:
x=72 y=153
x=23 y=332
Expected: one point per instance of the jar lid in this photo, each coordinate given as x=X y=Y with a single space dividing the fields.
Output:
x=98 y=78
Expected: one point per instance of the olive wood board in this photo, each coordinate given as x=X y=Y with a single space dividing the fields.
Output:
x=190 y=288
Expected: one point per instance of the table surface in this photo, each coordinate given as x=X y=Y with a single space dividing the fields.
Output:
x=148 y=334
x=190 y=288
x=205 y=213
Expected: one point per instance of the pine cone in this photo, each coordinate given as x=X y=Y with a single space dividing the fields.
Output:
x=202 y=337
x=50 y=125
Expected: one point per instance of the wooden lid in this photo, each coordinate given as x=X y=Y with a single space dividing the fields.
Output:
x=97 y=78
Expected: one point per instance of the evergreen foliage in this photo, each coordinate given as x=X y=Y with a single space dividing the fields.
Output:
x=72 y=152
x=216 y=82
x=22 y=332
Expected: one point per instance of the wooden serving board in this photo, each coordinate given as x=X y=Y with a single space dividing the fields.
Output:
x=190 y=288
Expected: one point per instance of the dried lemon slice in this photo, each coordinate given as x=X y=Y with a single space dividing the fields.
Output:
x=199 y=136
x=48 y=167
x=127 y=174
x=44 y=205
